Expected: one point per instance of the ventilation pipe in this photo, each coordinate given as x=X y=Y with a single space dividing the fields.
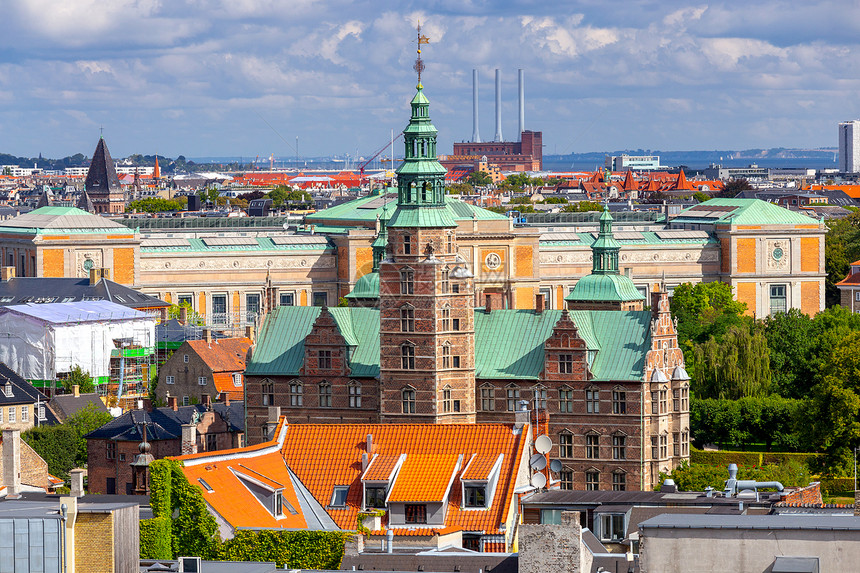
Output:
x=498 y=137
x=389 y=535
x=476 y=134
x=522 y=105
x=735 y=486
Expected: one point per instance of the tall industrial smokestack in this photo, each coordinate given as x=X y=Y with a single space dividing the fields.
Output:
x=522 y=101
x=498 y=107
x=476 y=135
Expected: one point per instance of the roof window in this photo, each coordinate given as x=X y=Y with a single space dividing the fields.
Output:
x=338 y=497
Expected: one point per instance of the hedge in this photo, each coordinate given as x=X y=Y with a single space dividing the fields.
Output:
x=835 y=486
x=155 y=538
x=291 y=549
x=725 y=457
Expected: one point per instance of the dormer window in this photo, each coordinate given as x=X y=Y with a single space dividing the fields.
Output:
x=338 y=497
x=475 y=495
x=8 y=389
x=374 y=496
x=278 y=509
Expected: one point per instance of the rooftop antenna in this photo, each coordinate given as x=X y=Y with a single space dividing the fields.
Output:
x=419 y=63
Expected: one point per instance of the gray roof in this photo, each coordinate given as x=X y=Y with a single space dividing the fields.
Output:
x=765 y=522
x=60 y=218
x=21 y=290
x=150 y=565
x=65 y=405
x=22 y=391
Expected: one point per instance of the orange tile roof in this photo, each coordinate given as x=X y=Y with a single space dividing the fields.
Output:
x=424 y=477
x=224 y=354
x=224 y=383
x=480 y=466
x=380 y=468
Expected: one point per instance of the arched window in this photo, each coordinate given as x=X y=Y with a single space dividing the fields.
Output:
x=619 y=480
x=565 y=444
x=539 y=397
x=592 y=400
x=407 y=281
x=446 y=354
x=446 y=317
x=446 y=399
x=445 y=283
x=407 y=356
x=407 y=318
x=296 y=391
x=488 y=398
x=268 y=392
x=407 y=396
x=592 y=445
x=512 y=397
x=325 y=394
x=565 y=400
x=619 y=446
x=354 y=394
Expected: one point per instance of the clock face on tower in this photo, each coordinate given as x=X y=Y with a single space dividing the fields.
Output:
x=777 y=255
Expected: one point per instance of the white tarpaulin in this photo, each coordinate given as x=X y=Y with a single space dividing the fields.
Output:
x=39 y=341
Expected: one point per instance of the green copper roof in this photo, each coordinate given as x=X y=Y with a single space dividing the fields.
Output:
x=280 y=348
x=422 y=217
x=61 y=220
x=742 y=212
x=605 y=288
x=508 y=343
x=366 y=287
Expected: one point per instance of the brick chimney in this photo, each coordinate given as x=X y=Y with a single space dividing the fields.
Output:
x=206 y=399
x=173 y=403
x=76 y=477
x=489 y=303
x=98 y=274
x=183 y=315
x=207 y=335
x=224 y=397
x=12 y=462
x=249 y=332
x=76 y=390
x=7 y=273
x=189 y=439
x=272 y=423
x=539 y=304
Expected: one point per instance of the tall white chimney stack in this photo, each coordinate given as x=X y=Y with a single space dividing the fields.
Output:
x=522 y=101
x=498 y=107
x=476 y=135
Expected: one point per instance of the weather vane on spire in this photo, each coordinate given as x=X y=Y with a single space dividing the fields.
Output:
x=419 y=63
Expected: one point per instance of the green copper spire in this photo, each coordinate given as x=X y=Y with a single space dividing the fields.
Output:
x=381 y=241
x=605 y=248
x=421 y=178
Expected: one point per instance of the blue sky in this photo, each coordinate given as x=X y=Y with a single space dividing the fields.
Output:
x=204 y=77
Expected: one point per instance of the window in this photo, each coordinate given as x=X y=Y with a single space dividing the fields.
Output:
x=1 y=415
x=278 y=499
x=488 y=398
x=41 y=413
x=110 y=451
x=565 y=445
x=664 y=446
x=25 y=413
x=12 y=414
x=252 y=307
x=455 y=324
x=513 y=398
x=612 y=527
x=565 y=363
x=446 y=318
x=407 y=244
x=324 y=359
x=416 y=513
x=295 y=393
x=676 y=400
x=408 y=400
x=121 y=457
x=374 y=496
x=219 y=309
x=407 y=281
x=655 y=402
x=320 y=298
x=592 y=400
x=201 y=380
x=777 y=299
x=455 y=361
x=450 y=242
x=407 y=319
x=565 y=400
x=325 y=395
x=685 y=443
x=476 y=496
x=237 y=379
x=185 y=401
x=539 y=398
x=288 y=299
x=211 y=442
x=268 y=393
x=446 y=400
x=619 y=447
x=185 y=358
x=565 y=478
x=592 y=481
x=685 y=398
x=619 y=402
x=185 y=300
x=552 y=516
x=446 y=355
x=445 y=283
x=592 y=446
x=455 y=288
x=655 y=452
x=407 y=357
x=857 y=295
x=170 y=379
x=619 y=481
x=663 y=400
x=338 y=497
x=354 y=395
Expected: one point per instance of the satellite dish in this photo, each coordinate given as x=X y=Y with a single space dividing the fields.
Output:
x=555 y=465
x=539 y=480
x=543 y=444
x=537 y=462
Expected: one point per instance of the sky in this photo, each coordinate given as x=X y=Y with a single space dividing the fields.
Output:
x=246 y=77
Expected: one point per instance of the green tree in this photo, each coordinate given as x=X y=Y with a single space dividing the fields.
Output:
x=701 y=197
x=841 y=248
x=733 y=187
x=734 y=365
x=460 y=189
x=704 y=310
x=582 y=207
x=209 y=195
x=555 y=200
x=175 y=312
x=156 y=205
x=77 y=376
x=83 y=422
x=790 y=342
x=831 y=425
x=479 y=179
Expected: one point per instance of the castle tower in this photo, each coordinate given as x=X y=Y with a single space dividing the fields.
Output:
x=427 y=339
x=102 y=184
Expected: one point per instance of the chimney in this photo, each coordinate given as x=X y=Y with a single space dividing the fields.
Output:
x=206 y=399
x=7 y=273
x=489 y=303
x=76 y=390
x=224 y=397
x=189 y=439
x=163 y=314
x=364 y=461
x=476 y=135
x=76 y=477
x=369 y=444
x=539 y=304
x=98 y=274
x=173 y=403
x=498 y=106
x=522 y=104
x=12 y=462
x=249 y=332
x=183 y=315
x=522 y=415
x=272 y=424
x=207 y=335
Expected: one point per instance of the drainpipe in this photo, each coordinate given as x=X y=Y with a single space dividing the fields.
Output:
x=642 y=440
x=389 y=535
